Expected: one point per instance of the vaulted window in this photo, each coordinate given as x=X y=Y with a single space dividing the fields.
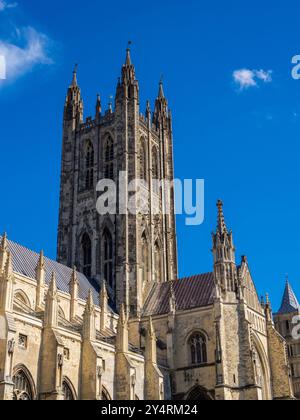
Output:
x=109 y=155
x=143 y=161
x=155 y=170
x=22 y=386
x=108 y=258
x=67 y=391
x=198 y=351
x=86 y=245
x=89 y=166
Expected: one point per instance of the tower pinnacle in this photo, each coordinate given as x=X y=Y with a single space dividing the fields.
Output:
x=221 y=219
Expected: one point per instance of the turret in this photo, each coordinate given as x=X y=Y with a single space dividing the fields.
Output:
x=74 y=104
x=224 y=255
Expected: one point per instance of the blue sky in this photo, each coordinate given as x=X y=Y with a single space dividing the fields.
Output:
x=242 y=138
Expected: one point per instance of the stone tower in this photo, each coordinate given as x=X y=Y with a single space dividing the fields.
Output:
x=128 y=251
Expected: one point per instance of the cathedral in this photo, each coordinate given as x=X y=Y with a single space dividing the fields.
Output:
x=110 y=319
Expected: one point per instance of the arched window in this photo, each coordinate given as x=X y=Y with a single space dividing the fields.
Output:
x=108 y=258
x=89 y=166
x=22 y=386
x=145 y=259
x=143 y=161
x=157 y=263
x=155 y=170
x=67 y=391
x=198 y=351
x=86 y=255
x=109 y=155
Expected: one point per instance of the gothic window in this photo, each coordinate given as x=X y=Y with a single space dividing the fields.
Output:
x=198 y=351
x=143 y=161
x=108 y=258
x=87 y=255
x=22 y=386
x=67 y=391
x=158 y=263
x=89 y=166
x=145 y=259
x=109 y=159
x=155 y=170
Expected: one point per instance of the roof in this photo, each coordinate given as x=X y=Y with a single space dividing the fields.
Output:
x=190 y=292
x=25 y=262
x=289 y=301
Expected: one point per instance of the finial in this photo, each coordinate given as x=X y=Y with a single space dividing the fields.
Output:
x=161 y=88
x=287 y=278
x=41 y=261
x=4 y=242
x=221 y=220
x=128 y=58
x=74 y=81
x=53 y=286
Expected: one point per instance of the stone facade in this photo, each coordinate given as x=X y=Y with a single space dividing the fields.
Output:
x=122 y=326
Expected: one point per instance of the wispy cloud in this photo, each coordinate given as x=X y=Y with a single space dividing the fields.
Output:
x=5 y=5
x=29 y=50
x=246 y=78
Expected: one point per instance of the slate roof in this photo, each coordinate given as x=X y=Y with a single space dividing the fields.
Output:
x=25 y=262
x=289 y=301
x=190 y=292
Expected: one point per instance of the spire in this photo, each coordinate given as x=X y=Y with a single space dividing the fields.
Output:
x=74 y=79
x=89 y=327
x=98 y=106
x=51 y=310
x=290 y=302
x=161 y=105
x=128 y=71
x=161 y=94
x=40 y=279
x=221 y=220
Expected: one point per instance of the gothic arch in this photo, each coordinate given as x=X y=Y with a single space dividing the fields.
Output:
x=68 y=390
x=24 y=386
x=263 y=364
x=198 y=393
x=22 y=297
x=105 y=396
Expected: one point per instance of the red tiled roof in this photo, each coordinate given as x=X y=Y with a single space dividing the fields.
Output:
x=190 y=292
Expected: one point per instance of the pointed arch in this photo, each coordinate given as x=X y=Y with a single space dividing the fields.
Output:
x=86 y=247
x=155 y=170
x=199 y=393
x=108 y=257
x=261 y=368
x=24 y=387
x=143 y=160
x=21 y=300
x=105 y=396
x=89 y=165
x=68 y=390
x=109 y=157
x=197 y=348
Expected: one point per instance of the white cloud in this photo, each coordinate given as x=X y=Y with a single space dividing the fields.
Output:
x=30 y=50
x=246 y=78
x=4 y=5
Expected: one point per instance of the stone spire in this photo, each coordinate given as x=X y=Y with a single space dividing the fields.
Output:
x=224 y=255
x=74 y=289
x=3 y=251
x=160 y=114
x=128 y=70
x=89 y=327
x=51 y=311
x=222 y=229
x=289 y=302
x=103 y=301
x=74 y=103
x=40 y=279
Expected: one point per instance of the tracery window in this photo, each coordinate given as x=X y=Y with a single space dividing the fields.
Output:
x=87 y=255
x=67 y=391
x=22 y=386
x=108 y=257
x=89 y=166
x=109 y=158
x=198 y=350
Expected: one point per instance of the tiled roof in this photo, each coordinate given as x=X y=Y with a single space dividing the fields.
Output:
x=190 y=292
x=289 y=301
x=25 y=262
